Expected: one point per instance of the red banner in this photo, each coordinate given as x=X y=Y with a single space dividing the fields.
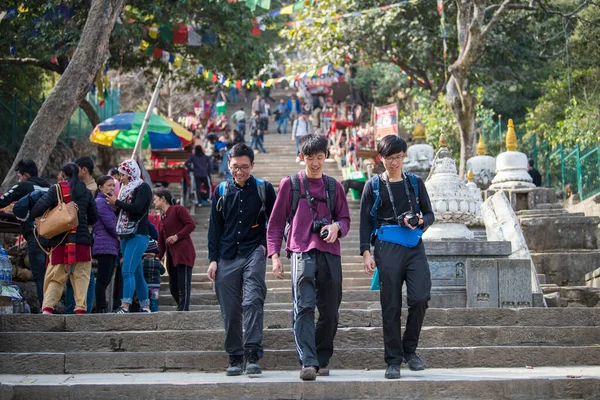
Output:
x=386 y=121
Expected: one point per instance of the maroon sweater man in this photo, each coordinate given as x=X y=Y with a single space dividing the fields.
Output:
x=314 y=247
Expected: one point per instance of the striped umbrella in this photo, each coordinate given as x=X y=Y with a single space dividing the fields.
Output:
x=121 y=131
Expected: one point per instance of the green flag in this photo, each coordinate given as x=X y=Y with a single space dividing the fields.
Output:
x=251 y=4
x=299 y=5
x=266 y=4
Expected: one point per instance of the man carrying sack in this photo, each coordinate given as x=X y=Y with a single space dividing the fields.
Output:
x=394 y=211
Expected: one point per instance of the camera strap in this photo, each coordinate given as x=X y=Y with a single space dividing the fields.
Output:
x=406 y=190
x=310 y=199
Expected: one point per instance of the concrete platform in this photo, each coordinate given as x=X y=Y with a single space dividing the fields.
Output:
x=574 y=382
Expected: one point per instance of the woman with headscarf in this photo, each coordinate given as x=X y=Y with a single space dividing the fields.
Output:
x=70 y=254
x=132 y=226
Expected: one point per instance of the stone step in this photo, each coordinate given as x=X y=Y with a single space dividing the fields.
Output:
x=352 y=314
x=345 y=305
x=366 y=358
x=566 y=268
x=565 y=233
x=283 y=339
x=488 y=383
x=441 y=297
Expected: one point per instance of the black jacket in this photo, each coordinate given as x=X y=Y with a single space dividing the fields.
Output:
x=138 y=208
x=21 y=190
x=88 y=214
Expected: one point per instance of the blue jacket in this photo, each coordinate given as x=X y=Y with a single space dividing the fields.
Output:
x=289 y=106
x=22 y=208
x=105 y=233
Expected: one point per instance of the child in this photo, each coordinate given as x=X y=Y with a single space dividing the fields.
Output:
x=153 y=269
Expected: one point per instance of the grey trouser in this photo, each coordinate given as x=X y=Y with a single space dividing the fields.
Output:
x=398 y=264
x=241 y=291
x=316 y=280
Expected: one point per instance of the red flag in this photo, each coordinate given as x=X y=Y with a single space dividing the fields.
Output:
x=157 y=53
x=255 y=31
x=259 y=83
x=238 y=84
x=180 y=33
x=214 y=78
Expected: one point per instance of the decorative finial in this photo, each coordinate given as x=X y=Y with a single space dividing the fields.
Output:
x=511 y=137
x=419 y=131
x=481 y=146
x=443 y=141
x=470 y=176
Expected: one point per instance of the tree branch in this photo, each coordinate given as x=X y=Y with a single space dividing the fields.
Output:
x=494 y=19
x=525 y=7
x=47 y=65
x=90 y=111
x=583 y=4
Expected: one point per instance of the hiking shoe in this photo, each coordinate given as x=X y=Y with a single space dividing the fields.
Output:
x=414 y=362
x=121 y=310
x=323 y=371
x=235 y=366
x=392 y=372
x=308 y=374
x=252 y=367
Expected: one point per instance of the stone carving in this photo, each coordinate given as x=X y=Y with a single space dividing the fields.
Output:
x=453 y=202
x=420 y=154
x=511 y=166
x=483 y=166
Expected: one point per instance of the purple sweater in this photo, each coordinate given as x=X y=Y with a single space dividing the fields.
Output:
x=106 y=238
x=300 y=238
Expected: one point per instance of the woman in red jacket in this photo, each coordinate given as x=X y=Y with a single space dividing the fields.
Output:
x=175 y=241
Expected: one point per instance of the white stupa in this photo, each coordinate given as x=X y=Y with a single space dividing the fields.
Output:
x=453 y=202
x=420 y=154
x=511 y=166
x=476 y=192
x=483 y=167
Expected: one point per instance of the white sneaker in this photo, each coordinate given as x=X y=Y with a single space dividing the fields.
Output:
x=298 y=159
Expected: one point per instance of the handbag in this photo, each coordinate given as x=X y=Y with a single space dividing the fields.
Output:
x=131 y=228
x=62 y=218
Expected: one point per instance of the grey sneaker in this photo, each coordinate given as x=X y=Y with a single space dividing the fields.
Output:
x=235 y=366
x=323 y=371
x=414 y=362
x=252 y=367
x=308 y=374
x=392 y=372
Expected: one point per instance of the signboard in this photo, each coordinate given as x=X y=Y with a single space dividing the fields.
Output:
x=386 y=121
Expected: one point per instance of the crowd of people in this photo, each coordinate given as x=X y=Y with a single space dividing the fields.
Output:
x=113 y=231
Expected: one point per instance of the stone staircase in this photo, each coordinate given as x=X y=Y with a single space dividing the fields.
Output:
x=470 y=353
x=564 y=248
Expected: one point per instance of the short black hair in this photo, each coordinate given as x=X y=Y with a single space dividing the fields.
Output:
x=114 y=171
x=313 y=144
x=391 y=144
x=241 y=150
x=165 y=194
x=531 y=162
x=26 y=166
x=85 y=162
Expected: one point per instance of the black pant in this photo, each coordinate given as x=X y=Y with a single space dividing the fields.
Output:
x=316 y=281
x=180 y=285
x=37 y=263
x=106 y=267
x=118 y=286
x=199 y=181
x=398 y=264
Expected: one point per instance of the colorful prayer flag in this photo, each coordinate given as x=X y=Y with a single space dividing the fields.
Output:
x=287 y=10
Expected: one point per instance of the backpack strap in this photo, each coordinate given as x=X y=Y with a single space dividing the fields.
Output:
x=295 y=180
x=262 y=193
x=332 y=190
x=375 y=185
x=222 y=189
x=415 y=185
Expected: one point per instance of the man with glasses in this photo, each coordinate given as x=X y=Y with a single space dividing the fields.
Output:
x=237 y=250
x=394 y=211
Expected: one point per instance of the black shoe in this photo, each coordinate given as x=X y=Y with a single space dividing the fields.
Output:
x=414 y=362
x=252 y=367
x=392 y=372
x=235 y=366
x=121 y=310
x=308 y=373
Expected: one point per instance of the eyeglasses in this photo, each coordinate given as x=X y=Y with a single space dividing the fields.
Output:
x=395 y=159
x=243 y=168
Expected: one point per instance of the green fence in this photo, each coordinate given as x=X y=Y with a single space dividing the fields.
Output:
x=18 y=112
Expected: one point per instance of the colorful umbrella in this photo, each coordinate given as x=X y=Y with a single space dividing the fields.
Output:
x=121 y=131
